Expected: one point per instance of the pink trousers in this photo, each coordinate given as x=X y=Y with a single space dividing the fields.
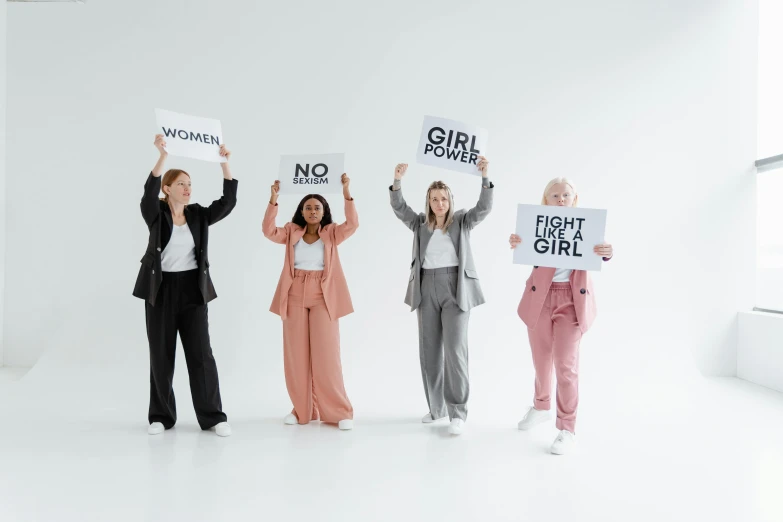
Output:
x=555 y=342
x=311 y=352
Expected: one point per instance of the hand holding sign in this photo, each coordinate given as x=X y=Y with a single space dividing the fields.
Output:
x=483 y=166
x=604 y=250
x=160 y=144
x=514 y=241
x=224 y=152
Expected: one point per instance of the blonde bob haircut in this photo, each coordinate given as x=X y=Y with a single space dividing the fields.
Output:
x=555 y=182
x=431 y=219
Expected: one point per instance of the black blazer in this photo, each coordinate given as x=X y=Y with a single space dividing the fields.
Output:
x=157 y=215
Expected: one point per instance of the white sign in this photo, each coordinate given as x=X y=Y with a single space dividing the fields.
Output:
x=559 y=237
x=311 y=173
x=190 y=136
x=451 y=145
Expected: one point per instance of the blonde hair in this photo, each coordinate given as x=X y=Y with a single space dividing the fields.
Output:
x=432 y=220
x=168 y=180
x=555 y=182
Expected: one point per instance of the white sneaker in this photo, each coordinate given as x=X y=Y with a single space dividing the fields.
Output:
x=345 y=424
x=457 y=425
x=563 y=443
x=427 y=419
x=156 y=428
x=223 y=429
x=290 y=419
x=534 y=417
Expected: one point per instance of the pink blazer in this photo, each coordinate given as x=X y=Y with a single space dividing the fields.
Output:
x=537 y=288
x=333 y=284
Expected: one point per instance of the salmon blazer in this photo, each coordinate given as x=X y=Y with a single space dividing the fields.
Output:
x=333 y=282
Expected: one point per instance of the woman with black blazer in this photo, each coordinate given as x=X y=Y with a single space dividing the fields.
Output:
x=175 y=283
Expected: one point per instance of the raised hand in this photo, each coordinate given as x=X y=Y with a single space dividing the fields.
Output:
x=400 y=170
x=225 y=152
x=346 y=181
x=483 y=166
x=275 y=192
x=514 y=241
x=160 y=144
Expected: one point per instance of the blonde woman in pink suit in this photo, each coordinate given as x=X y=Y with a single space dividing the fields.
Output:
x=311 y=296
x=558 y=307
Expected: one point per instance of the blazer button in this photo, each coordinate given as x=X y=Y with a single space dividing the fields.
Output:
x=153 y=271
x=533 y=288
x=158 y=249
x=582 y=291
x=205 y=271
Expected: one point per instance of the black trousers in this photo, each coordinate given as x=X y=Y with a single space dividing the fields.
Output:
x=180 y=308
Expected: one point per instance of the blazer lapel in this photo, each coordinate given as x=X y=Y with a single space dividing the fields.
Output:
x=296 y=234
x=454 y=232
x=194 y=224
x=424 y=240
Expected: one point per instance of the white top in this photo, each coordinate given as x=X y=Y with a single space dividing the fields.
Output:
x=309 y=257
x=180 y=253
x=440 y=251
x=562 y=275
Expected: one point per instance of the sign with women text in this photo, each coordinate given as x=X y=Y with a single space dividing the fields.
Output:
x=190 y=136
x=559 y=237
x=451 y=145
x=311 y=173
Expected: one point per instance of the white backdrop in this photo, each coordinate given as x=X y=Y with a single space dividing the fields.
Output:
x=3 y=105
x=650 y=108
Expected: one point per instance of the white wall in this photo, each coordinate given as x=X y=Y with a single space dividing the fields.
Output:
x=650 y=107
x=760 y=359
x=3 y=100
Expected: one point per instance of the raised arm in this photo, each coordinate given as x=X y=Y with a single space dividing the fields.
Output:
x=150 y=200
x=482 y=209
x=401 y=209
x=345 y=230
x=270 y=229
x=222 y=207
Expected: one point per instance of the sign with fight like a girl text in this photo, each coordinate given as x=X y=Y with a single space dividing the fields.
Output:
x=190 y=136
x=451 y=145
x=311 y=173
x=559 y=237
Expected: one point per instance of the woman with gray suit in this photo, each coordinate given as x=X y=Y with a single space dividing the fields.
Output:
x=442 y=288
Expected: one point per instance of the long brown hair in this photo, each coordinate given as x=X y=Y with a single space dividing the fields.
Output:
x=431 y=219
x=168 y=180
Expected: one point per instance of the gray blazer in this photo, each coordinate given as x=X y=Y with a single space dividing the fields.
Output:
x=468 y=289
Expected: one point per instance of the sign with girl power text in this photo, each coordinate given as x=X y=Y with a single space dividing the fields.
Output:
x=451 y=145
x=559 y=237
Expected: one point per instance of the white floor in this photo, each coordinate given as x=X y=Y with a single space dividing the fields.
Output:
x=714 y=455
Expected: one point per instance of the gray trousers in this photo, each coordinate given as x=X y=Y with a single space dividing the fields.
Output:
x=443 y=331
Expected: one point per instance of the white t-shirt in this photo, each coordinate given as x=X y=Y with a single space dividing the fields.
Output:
x=180 y=252
x=562 y=275
x=440 y=251
x=309 y=257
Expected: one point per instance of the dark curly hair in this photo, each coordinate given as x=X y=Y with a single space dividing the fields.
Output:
x=299 y=219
